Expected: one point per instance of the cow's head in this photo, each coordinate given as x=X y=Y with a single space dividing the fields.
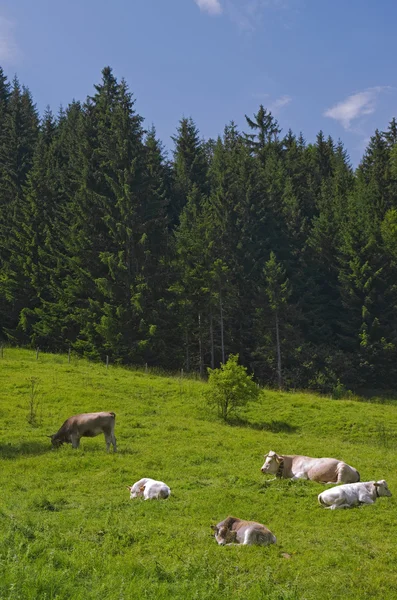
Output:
x=136 y=491
x=272 y=463
x=56 y=440
x=381 y=488
x=224 y=535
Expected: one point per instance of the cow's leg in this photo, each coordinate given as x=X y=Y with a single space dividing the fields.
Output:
x=110 y=439
x=248 y=538
x=340 y=505
x=365 y=499
x=75 y=440
x=299 y=476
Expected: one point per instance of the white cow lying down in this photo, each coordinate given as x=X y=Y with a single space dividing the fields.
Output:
x=237 y=531
x=150 y=489
x=351 y=494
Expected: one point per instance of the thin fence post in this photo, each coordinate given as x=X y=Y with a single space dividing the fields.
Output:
x=69 y=355
x=181 y=373
x=37 y=353
x=107 y=361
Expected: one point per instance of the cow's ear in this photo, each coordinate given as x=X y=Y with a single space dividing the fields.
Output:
x=129 y=487
x=376 y=483
x=142 y=488
x=213 y=527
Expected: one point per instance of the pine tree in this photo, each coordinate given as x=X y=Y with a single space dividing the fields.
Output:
x=266 y=131
x=276 y=288
x=51 y=188
x=367 y=279
x=16 y=157
x=192 y=290
x=190 y=166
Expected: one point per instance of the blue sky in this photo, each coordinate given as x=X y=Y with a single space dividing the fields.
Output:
x=317 y=64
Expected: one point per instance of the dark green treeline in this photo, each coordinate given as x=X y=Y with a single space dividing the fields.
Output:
x=256 y=243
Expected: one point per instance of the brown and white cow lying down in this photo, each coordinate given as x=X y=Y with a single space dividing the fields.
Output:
x=150 y=489
x=237 y=531
x=352 y=494
x=324 y=470
x=86 y=425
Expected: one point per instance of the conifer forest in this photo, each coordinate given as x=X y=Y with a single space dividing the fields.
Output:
x=257 y=243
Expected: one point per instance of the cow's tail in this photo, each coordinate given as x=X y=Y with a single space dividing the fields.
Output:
x=321 y=501
x=358 y=475
x=113 y=415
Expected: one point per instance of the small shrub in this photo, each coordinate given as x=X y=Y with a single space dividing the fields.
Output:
x=230 y=388
x=340 y=391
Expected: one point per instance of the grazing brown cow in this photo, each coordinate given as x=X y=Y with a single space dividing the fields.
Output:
x=294 y=466
x=237 y=531
x=86 y=425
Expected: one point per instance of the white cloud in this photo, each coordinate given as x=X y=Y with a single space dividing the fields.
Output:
x=8 y=46
x=249 y=15
x=213 y=7
x=275 y=106
x=355 y=106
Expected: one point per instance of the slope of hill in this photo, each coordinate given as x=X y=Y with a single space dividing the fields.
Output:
x=68 y=529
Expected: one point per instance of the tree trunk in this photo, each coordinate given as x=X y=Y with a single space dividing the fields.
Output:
x=221 y=314
x=280 y=383
x=212 y=342
x=187 y=351
x=200 y=348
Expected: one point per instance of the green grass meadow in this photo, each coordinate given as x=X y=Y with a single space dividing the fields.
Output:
x=68 y=529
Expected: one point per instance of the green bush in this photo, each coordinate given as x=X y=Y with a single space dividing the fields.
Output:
x=230 y=388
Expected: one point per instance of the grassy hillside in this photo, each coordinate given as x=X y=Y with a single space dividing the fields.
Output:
x=68 y=529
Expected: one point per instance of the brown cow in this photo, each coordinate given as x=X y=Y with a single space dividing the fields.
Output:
x=323 y=470
x=237 y=531
x=86 y=425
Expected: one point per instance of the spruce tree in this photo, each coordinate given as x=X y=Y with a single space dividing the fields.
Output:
x=190 y=166
x=16 y=158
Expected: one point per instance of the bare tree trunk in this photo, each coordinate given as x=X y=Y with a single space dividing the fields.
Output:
x=212 y=342
x=187 y=351
x=280 y=382
x=200 y=347
x=221 y=314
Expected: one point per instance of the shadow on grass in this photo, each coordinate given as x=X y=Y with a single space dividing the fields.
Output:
x=273 y=426
x=10 y=451
x=129 y=451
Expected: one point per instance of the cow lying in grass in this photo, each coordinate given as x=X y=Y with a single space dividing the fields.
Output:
x=323 y=470
x=352 y=494
x=86 y=425
x=150 y=489
x=237 y=531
